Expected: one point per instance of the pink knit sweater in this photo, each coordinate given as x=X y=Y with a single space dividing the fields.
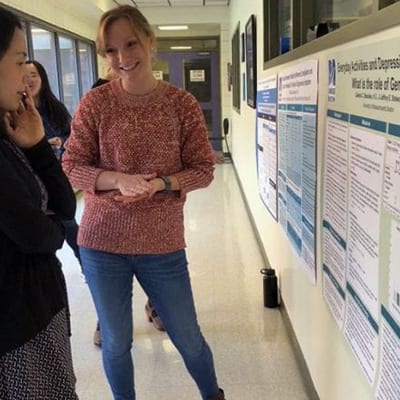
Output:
x=162 y=132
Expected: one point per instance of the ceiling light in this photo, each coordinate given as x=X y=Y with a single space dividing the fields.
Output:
x=172 y=27
x=181 y=47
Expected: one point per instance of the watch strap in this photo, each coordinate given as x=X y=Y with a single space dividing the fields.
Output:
x=167 y=183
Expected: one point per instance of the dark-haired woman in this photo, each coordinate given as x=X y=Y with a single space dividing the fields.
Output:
x=56 y=122
x=35 y=354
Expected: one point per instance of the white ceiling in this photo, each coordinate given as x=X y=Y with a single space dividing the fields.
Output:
x=199 y=30
x=94 y=9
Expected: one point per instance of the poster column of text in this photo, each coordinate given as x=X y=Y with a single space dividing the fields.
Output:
x=297 y=116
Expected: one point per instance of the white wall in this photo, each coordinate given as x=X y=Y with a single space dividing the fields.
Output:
x=333 y=368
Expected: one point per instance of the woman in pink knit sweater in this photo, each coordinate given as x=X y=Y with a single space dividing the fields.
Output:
x=137 y=147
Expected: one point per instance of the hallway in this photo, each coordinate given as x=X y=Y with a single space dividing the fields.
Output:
x=254 y=359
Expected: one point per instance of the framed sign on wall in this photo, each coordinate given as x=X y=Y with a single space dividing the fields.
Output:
x=236 y=69
x=251 y=60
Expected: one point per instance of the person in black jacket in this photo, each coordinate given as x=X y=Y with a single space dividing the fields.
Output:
x=35 y=354
x=57 y=127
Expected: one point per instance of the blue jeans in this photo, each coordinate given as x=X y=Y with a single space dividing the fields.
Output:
x=165 y=279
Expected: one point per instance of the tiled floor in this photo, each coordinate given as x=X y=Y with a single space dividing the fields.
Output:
x=253 y=357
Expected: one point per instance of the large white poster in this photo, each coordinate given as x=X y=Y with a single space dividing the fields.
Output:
x=361 y=207
x=297 y=124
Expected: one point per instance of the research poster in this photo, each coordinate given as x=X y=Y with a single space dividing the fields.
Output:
x=297 y=124
x=266 y=143
x=361 y=207
x=389 y=374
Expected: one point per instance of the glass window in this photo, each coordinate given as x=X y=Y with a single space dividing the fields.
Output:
x=343 y=11
x=285 y=25
x=385 y=3
x=289 y=24
x=86 y=66
x=69 y=73
x=68 y=60
x=44 y=51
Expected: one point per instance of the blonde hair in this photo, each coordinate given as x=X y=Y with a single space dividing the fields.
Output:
x=137 y=20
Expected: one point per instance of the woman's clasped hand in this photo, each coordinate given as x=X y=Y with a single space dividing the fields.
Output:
x=136 y=187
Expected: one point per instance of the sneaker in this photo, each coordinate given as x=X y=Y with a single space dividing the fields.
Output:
x=153 y=317
x=97 y=337
x=219 y=396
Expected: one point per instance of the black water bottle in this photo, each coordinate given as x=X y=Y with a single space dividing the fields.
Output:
x=270 y=283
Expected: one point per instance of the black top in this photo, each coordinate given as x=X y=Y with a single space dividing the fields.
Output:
x=53 y=131
x=32 y=286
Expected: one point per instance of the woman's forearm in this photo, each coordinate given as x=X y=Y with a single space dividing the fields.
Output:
x=107 y=180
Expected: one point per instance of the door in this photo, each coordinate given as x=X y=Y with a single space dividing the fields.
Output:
x=198 y=74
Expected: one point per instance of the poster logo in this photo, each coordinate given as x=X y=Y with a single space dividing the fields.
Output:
x=332 y=80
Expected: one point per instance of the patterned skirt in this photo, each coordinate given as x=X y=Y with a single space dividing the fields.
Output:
x=41 y=368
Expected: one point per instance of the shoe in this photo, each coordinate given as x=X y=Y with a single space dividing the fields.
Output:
x=97 y=337
x=218 y=157
x=219 y=396
x=153 y=317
